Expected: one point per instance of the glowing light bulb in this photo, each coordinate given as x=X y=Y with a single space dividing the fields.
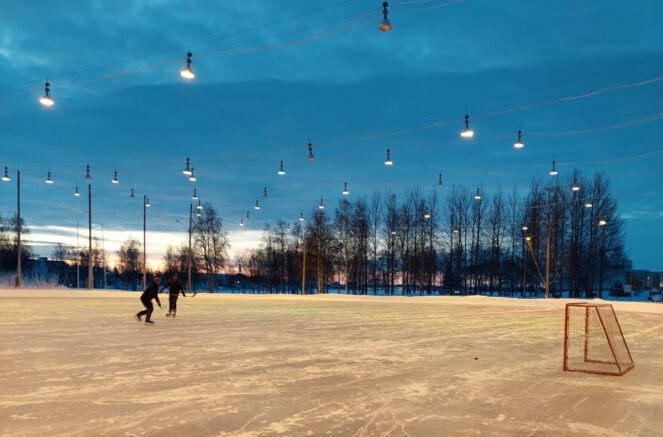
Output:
x=76 y=193
x=281 y=171
x=241 y=222
x=147 y=202
x=301 y=216
x=310 y=152
x=48 y=179
x=87 y=173
x=439 y=180
x=478 y=195
x=6 y=177
x=345 y=190
x=256 y=207
x=554 y=171
x=199 y=206
x=46 y=99
x=519 y=144
x=467 y=132
x=322 y=205
x=115 y=180
x=186 y=72
x=195 y=195
x=187 y=169
x=602 y=222
x=589 y=205
x=192 y=177
x=388 y=161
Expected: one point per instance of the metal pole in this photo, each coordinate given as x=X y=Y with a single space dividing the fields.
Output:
x=78 y=259
x=90 y=278
x=190 y=253
x=524 y=267
x=144 y=242
x=548 y=263
x=19 y=273
x=304 y=266
x=103 y=248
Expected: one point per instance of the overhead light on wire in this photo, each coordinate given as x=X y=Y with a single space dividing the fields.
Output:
x=77 y=193
x=388 y=161
x=115 y=180
x=602 y=222
x=301 y=216
x=133 y=194
x=467 y=132
x=248 y=216
x=199 y=207
x=87 y=173
x=310 y=152
x=589 y=205
x=186 y=72
x=426 y=215
x=519 y=144
x=264 y=195
x=46 y=99
x=575 y=187
x=195 y=195
x=187 y=169
x=241 y=221
x=48 y=179
x=439 y=180
x=553 y=171
x=345 y=190
x=385 y=24
x=478 y=195
x=281 y=171
x=322 y=205
x=192 y=177
x=256 y=207
x=5 y=177
x=147 y=202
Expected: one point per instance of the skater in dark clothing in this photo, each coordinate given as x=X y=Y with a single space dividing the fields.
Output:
x=151 y=292
x=175 y=288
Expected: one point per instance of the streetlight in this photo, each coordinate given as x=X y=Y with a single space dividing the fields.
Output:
x=195 y=195
x=439 y=180
x=388 y=161
x=265 y=193
x=76 y=193
x=192 y=177
x=322 y=205
x=345 y=190
x=310 y=152
x=146 y=204
x=115 y=179
x=554 y=171
x=281 y=171
x=48 y=179
x=186 y=72
x=187 y=170
x=301 y=216
x=90 y=270
x=478 y=195
x=46 y=99
x=575 y=187
x=467 y=132
x=519 y=144
x=256 y=207
x=199 y=207
x=19 y=250
x=385 y=24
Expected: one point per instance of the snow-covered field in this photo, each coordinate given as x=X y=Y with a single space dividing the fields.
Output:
x=77 y=363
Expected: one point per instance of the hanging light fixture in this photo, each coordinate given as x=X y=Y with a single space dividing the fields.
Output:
x=287 y=227
x=187 y=170
x=48 y=179
x=519 y=144
x=5 y=177
x=198 y=214
x=602 y=222
x=310 y=152
x=147 y=202
x=87 y=173
x=345 y=190
x=247 y=214
x=478 y=195
x=186 y=72
x=467 y=132
x=301 y=216
x=322 y=205
x=76 y=193
x=385 y=24
x=554 y=171
x=281 y=171
x=426 y=215
x=388 y=161
x=199 y=206
x=575 y=187
x=115 y=180
x=589 y=205
x=439 y=180
x=195 y=195
x=241 y=221
x=133 y=194
x=46 y=99
x=456 y=231
x=192 y=178
x=524 y=228
x=265 y=193
x=256 y=207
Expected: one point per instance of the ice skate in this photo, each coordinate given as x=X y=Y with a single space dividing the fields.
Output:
x=138 y=317
x=148 y=321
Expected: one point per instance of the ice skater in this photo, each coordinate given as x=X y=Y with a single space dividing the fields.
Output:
x=175 y=288
x=151 y=292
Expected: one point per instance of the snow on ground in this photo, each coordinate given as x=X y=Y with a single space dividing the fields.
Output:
x=76 y=363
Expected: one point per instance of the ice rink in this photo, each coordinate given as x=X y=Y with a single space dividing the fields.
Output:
x=77 y=363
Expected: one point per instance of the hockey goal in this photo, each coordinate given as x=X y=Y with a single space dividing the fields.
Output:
x=593 y=340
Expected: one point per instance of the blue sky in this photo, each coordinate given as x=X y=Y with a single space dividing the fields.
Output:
x=245 y=112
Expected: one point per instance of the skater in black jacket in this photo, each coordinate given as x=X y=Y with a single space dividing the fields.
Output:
x=176 y=288
x=151 y=292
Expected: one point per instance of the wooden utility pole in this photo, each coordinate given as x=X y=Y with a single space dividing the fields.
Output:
x=90 y=279
x=304 y=265
x=19 y=274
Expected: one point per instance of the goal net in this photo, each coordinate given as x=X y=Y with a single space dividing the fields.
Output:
x=593 y=340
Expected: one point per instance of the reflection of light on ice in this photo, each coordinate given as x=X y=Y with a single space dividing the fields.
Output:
x=76 y=363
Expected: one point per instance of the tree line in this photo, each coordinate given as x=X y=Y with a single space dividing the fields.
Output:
x=466 y=243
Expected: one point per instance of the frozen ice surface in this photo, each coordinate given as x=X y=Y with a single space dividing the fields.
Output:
x=77 y=363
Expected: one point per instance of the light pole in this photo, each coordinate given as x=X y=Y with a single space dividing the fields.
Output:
x=90 y=278
x=602 y=224
x=524 y=229
x=146 y=204
x=6 y=178
x=190 y=254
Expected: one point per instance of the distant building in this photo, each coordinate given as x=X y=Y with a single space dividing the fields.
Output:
x=640 y=280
